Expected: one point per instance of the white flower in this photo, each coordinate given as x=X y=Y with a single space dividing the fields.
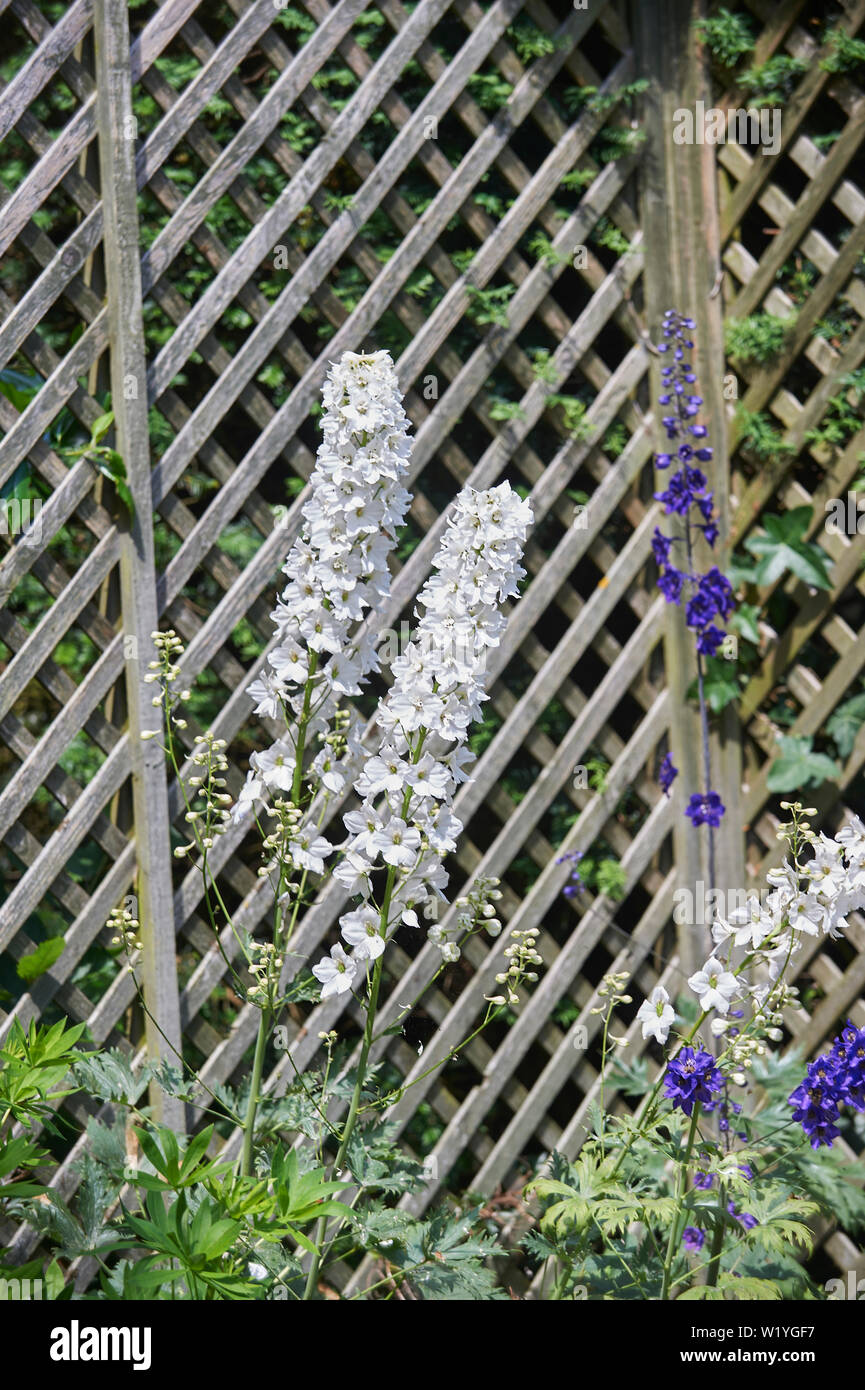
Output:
x=396 y=842
x=362 y=929
x=826 y=870
x=331 y=776
x=352 y=872
x=748 y=925
x=851 y=838
x=807 y=914
x=289 y=662
x=657 y=1015
x=428 y=777
x=309 y=851
x=275 y=766
x=267 y=692
x=382 y=775
x=363 y=825
x=714 y=986
x=336 y=972
x=787 y=946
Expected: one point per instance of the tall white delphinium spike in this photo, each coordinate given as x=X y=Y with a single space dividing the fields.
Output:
x=337 y=569
x=405 y=825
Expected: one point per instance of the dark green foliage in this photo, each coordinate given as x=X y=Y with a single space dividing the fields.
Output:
x=846 y=53
x=759 y=338
x=760 y=437
x=728 y=36
x=772 y=82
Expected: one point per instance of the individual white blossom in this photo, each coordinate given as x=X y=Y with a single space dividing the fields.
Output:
x=362 y=930
x=336 y=972
x=714 y=986
x=657 y=1015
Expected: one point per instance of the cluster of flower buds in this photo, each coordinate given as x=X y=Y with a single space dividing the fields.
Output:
x=126 y=928
x=208 y=785
x=335 y=746
x=611 y=988
x=287 y=817
x=165 y=671
x=521 y=954
x=445 y=939
x=264 y=966
x=771 y=1022
x=475 y=910
x=743 y=1052
x=797 y=831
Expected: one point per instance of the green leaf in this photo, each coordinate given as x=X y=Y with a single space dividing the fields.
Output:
x=745 y=621
x=108 y=1075
x=783 y=549
x=37 y=962
x=111 y=465
x=101 y=426
x=721 y=684
x=799 y=766
x=18 y=388
x=845 y=724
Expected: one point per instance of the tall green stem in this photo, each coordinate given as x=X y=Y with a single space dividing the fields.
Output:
x=675 y=1231
x=254 y=1092
x=717 y=1239
x=368 y=1033
x=266 y=1019
x=351 y=1118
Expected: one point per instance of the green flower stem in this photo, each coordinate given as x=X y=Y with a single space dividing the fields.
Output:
x=266 y=1020
x=675 y=1228
x=255 y=1087
x=351 y=1118
x=647 y=1111
x=714 y=1265
x=368 y=1033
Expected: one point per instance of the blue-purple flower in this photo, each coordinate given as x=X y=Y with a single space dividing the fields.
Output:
x=667 y=773
x=693 y=1239
x=692 y=1077
x=834 y=1079
x=671 y=584
x=575 y=883
x=705 y=808
x=745 y=1219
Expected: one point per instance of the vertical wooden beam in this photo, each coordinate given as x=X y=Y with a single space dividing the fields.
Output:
x=137 y=561
x=680 y=219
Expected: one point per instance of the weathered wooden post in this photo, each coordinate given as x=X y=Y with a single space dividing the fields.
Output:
x=680 y=219
x=116 y=126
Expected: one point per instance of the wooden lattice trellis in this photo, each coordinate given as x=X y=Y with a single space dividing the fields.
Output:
x=590 y=666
